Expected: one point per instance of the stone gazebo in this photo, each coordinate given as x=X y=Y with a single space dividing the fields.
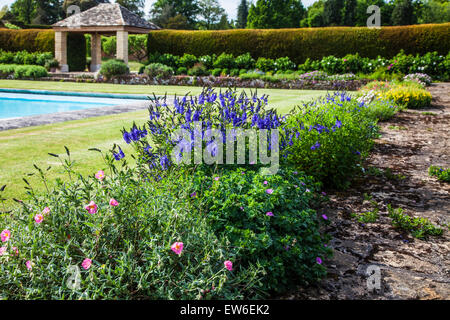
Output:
x=104 y=19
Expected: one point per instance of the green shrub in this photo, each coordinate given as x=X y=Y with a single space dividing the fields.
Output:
x=182 y=70
x=265 y=64
x=113 y=68
x=198 y=70
x=52 y=63
x=169 y=60
x=7 y=69
x=188 y=60
x=225 y=72
x=245 y=61
x=43 y=58
x=225 y=61
x=286 y=244
x=441 y=173
x=216 y=72
x=6 y=57
x=329 y=138
x=29 y=72
x=284 y=64
x=129 y=245
x=208 y=61
x=234 y=72
x=242 y=71
x=419 y=227
x=159 y=71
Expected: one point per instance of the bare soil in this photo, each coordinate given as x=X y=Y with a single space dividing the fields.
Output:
x=410 y=268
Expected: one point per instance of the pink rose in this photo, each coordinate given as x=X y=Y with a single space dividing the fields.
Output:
x=86 y=264
x=229 y=265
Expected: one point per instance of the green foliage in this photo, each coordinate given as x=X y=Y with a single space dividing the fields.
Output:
x=158 y=70
x=420 y=228
x=286 y=244
x=188 y=60
x=76 y=52
x=22 y=71
x=24 y=57
x=225 y=61
x=284 y=64
x=245 y=61
x=169 y=60
x=208 y=61
x=265 y=64
x=330 y=138
x=268 y=14
x=441 y=173
x=198 y=70
x=216 y=72
x=29 y=72
x=113 y=68
x=129 y=245
x=367 y=217
x=182 y=70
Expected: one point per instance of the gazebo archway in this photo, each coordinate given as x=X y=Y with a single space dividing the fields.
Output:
x=104 y=19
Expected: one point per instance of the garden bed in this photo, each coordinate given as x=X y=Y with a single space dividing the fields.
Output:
x=397 y=174
x=221 y=82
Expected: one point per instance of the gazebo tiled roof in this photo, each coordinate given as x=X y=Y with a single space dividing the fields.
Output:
x=105 y=15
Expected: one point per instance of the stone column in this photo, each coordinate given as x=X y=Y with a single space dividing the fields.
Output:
x=61 y=50
x=122 y=45
x=96 y=52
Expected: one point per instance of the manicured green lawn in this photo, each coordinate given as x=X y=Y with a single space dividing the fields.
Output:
x=21 y=148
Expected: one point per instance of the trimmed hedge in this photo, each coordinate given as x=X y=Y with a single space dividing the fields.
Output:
x=31 y=40
x=76 y=52
x=300 y=44
x=35 y=40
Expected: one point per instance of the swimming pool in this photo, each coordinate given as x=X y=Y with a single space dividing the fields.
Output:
x=16 y=105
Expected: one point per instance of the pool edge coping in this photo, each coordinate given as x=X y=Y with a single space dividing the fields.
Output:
x=79 y=94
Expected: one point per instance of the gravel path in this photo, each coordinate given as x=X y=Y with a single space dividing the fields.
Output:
x=409 y=268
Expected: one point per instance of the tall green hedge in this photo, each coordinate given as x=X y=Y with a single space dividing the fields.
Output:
x=299 y=44
x=40 y=40
x=31 y=40
x=76 y=52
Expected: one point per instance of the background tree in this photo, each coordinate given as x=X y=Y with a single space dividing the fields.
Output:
x=135 y=6
x=224 y=24
x=24 y=10
x=48 y=12
x=210 y=13
x=332 y=12
x=187 y=8
x=314 y=15
x=242 y=15
x=266 y=14
x=403 y=13
x=179 y=22
x=3 y=11
x=435 y=11
x=349 y=13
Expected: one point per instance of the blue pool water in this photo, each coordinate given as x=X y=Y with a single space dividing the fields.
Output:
x=15 y=105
